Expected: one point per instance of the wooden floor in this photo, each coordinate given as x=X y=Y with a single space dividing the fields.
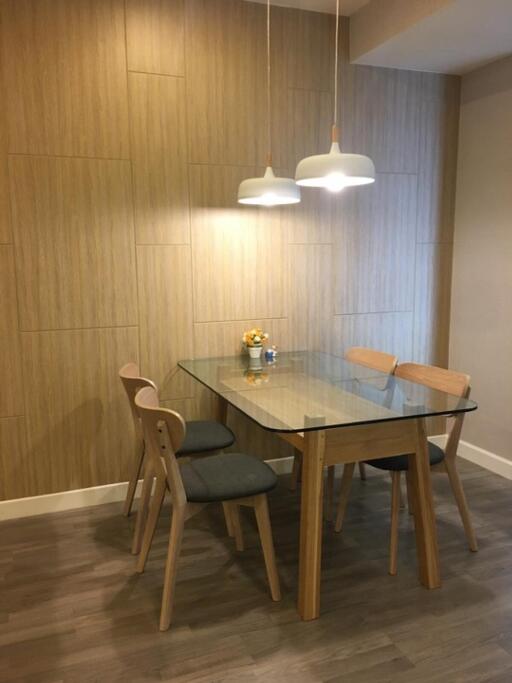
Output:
x=71 y=608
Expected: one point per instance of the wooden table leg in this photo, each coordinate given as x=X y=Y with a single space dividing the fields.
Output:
x=311 y=514
x=230 y=516
x=424 y=517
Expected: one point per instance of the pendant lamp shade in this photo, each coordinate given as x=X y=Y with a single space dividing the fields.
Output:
x=268 y=190
x=335 y=170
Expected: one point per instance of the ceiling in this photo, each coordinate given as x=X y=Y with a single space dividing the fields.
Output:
x=347 y=7
x=460 y=37
x=457 y=38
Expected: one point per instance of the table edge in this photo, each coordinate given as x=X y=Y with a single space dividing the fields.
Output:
x=274 y=430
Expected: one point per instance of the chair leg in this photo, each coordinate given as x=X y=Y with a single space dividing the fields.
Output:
x=142 y=512
x=171 y=566
x=296 y=469
x=132 y=484
x=329 y=502
x=410 y=494
x=267 y=544
x=234 y=518
x=346 y=483
x=362 y=470
x=149 y=531
x=227 y=517
x=395 y=511
x=402 y=504
x=458 y=492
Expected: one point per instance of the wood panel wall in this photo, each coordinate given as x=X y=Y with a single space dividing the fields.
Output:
x=126 y=129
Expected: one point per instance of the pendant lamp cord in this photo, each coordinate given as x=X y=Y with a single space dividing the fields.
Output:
x=269 y=125
x=336 y=41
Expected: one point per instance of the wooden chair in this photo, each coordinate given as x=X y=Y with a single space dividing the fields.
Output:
x=203 y=436
x=234 y=479
x=451 y=382
x=370 y=358
x=376 y=360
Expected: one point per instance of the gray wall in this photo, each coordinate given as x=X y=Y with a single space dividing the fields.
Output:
x=481 y=311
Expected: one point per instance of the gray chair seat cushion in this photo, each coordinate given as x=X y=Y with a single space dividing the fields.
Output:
x=205 y=435
x=226 y=476
x=400 y=463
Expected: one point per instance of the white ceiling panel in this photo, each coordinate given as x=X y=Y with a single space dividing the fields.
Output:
x=459 y=38
x=348 y=7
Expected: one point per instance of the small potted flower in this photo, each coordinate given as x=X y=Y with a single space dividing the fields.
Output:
x=254 y=340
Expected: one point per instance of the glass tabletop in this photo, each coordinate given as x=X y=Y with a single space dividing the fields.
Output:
x=305 y=390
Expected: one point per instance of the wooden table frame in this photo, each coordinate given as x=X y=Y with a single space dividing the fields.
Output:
x=323 y=447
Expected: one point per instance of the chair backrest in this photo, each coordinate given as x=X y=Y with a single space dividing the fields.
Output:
x=377 y=360
x=132 y=382
x=449 y=381
x=164 y=431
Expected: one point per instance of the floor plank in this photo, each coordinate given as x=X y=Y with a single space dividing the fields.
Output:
x=72 y=610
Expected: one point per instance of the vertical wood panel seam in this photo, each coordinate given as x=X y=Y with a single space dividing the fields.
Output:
x=132 y=185
x=189 y=193
x=18 y=307
x=416 y=224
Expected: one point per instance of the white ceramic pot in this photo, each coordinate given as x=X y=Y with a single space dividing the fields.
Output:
x=255 y=351
x=255 y=364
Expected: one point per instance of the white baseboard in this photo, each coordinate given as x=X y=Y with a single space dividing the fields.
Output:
x=479 y=456
x=95 y=495
x=114 y=493
x=489 y=461
x=63 y=500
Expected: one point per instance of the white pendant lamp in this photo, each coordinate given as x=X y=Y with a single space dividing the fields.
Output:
x=269 y=190
x=336 y=170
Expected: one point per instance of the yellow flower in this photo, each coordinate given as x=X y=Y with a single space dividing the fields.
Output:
x=255 y=337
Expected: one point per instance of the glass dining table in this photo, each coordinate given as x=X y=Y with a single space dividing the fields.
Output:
x=333 y=411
